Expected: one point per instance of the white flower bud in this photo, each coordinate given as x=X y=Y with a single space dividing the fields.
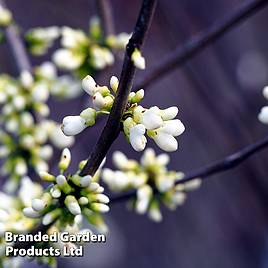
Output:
x=89 y=85
x=137 y=139
x=65 y=159
x=47 y=70
x=40 y=92
x=166 y=141
x=26 y=79
x=5 y=16
x=38 y=204
x=120 y=160
x=151 y=118
x=21 y=167
x=73 y=125
x=114 y=82
x=30 y=213
x=144 y=194
x=138 y=60
x=263 y=115
x=85 y=181
x=83 y=201
x=98 y=101
x=99 y=207
x=173 y=127
x=154 y=213
x=163 y=159
x=19 y=102
x=72 y=205
x=169 y=113
x=46 y=152
x=148 y=157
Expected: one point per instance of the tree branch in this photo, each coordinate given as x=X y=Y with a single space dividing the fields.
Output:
x=194 y=45
x=113 y=125
x=223 y=165
x=106 y=15
x=17 y=46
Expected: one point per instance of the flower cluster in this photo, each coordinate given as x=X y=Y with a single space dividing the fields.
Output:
x=263 y=115
x=39 y=40
x=159 y=125
x=153 y=182
x=26 y=132
x=80 y=51
x=70 y=195
x=12 y=218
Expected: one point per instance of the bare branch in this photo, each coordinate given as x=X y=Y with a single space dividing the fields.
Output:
x=113 y=125
x=17 y=46
x=183 y=53
x=106 y=15
x=223 y=165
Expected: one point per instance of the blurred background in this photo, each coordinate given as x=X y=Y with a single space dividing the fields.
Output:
x=219 y=94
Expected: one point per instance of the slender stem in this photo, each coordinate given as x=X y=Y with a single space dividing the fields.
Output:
x=112 y=127
x=194 y=45
x=17 y=46
x=223 y=165
x=106 y=15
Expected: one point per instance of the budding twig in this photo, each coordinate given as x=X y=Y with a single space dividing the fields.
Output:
x=106 y=15
x=223 y=165
x=113 y=125
x=183 y=53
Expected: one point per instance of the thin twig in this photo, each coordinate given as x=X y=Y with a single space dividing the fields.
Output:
x=223 y=165
x=181 y=54
x=106 y=15
x=17 y=46
x=113 y=125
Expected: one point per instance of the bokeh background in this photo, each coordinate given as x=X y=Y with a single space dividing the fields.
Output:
x=218 y=92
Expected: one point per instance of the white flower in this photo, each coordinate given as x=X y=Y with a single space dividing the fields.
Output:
x=263 y=115
x=138 y=59
x=67 y=60
x=5 y=16
x=120 y=160
x=19 y=102
x=40 y=92
x=26 y=79
x=30 y=213
x=151 y=118
x=137 y=138
x=99 y=101
x=38 y=204
x=174 y=127
x=73 y=125
x=59 y=139
x=89 y=85
x=114 y=82
x=265 y=92
x=144 y=194
x=169 y=113
x=72 y=205
x=166 y=141
x=47 y=70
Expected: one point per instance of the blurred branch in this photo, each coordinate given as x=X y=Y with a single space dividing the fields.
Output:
x=106 y=16
x=181 y=54
x=17 y=46
x=223 y=165
x=113 y=125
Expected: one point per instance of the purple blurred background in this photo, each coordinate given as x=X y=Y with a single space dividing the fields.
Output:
x=218 y=92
